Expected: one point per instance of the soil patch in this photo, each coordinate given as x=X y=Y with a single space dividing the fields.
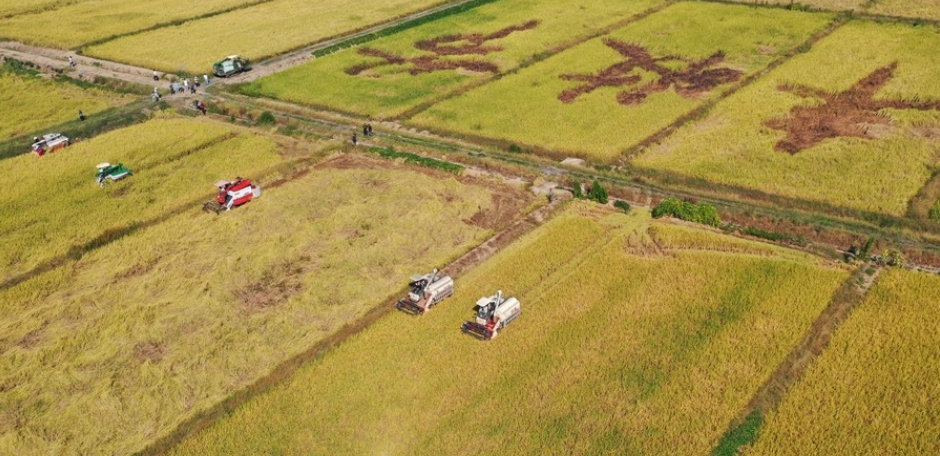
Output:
x=459 y=45
x=150 y=351
x=853 y=113
x=501 y=213
x=275 y=286
x=694 y=78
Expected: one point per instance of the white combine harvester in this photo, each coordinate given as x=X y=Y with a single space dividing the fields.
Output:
x=426 y=291
x=49 y=143
x=492 y=315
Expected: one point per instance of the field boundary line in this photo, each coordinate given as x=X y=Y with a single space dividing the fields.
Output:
x=861 y=13
x=846 y=298
x=700 y=112
x=533 y=60
x=919 y=206
x=281 y=373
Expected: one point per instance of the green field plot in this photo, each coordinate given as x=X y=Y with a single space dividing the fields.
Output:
x=624 y=346
x=260 y=31
x=29 y=103
x=876 y=386
x=598 y=99
x=108 y=353
x=387 y=77
x=74 y=25
x=922 y=9
x=56 y=203
x=861 y=134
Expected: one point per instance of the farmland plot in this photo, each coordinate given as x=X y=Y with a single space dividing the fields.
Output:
x=260 y=31
x=923 y=9
x=623 y=347
x=93 y=20
x=397 y=73
x=113 y=351
x=876 y=386
x=56 y=205
x=861 y=134
x=599 y=98
x=10 y=8
x=828 y=5
x=29 y=103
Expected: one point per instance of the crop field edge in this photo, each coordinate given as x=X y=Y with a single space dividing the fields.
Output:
x=521 y=225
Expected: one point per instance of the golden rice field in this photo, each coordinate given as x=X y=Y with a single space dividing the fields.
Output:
x=924 y=9
x=828 y=5
x=89 y=21
x=30 y=103
x=391 y=90
x=622 y=347
x=526 y=107
x=735 y=146
x=876 y=386
x=256 y=32
x=56 y=204
x=10 y=8
x=106 y=354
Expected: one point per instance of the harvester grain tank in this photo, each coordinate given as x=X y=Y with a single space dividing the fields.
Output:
x=231 y=66
x=111 y=173
x=232 y=194
x=49 y=143
x=426 y=291
x=492 y=315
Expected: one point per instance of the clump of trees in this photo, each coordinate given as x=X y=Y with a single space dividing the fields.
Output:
x=597 y=192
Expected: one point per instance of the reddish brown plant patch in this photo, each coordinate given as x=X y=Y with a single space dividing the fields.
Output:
x=853 y=113
x=440 y=47
x=697 y=76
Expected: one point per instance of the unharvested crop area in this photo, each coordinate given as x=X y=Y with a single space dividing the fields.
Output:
x=636 y=337
x=56 y=205
x=876 y=386
x=28 y=103
x=387 y=77
x=9 y=8
x=861 y=134
x=599 y=98
x=105 y=354
x=256 y=32
x=81 y=23
x=924 y=9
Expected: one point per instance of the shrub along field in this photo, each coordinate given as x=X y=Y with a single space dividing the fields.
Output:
x=156 y=326
x=387 y=77
x=256 y=32
x=624 y=346
x=876 y=386
x=861 y=134
x=56 y=204
x=74 y=25
x=599 y=98
x=28 y=103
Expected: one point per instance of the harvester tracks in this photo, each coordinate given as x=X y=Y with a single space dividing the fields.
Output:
x=523 y=224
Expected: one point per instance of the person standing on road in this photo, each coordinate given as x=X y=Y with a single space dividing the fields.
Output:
x=72 y=62
x=156 y=76
x=355 y=139
x=205 y=77
x=185 y=84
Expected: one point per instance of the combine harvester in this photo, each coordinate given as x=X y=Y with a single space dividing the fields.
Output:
x=232 y=194
x=231 y=66
x=49 y=143
x=108 y=173
x=492 y=315
x=426 y=291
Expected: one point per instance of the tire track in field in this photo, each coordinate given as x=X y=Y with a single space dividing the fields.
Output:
x=523 y=224
x=705 y=109
x=846 y=298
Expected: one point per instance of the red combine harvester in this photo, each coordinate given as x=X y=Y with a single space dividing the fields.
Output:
x=232 y=194
x=49 y=143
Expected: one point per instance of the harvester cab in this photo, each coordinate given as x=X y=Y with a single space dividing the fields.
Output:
x=49 y=143
x=111 y=173
x=232 y=194
x=232 y=65
x=492 y=315
x=426 y=291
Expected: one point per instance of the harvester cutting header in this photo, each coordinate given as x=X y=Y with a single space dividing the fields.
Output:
x=426 y=291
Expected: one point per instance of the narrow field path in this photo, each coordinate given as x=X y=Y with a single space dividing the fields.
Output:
x=87 y=67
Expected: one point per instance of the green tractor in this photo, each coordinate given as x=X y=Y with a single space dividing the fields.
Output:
x=111 y=173
x=231 y=66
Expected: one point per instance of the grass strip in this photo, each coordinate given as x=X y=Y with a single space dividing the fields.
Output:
x=414 y=159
